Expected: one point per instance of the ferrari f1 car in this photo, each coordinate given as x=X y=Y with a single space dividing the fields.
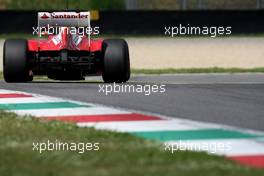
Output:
x=65 y=55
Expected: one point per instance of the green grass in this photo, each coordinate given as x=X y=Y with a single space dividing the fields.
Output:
x=119 y=4
x=192 y=4
x=119 y=153
x=198 y=70
x=179 y=71
x=61 y=4
x=17 y=36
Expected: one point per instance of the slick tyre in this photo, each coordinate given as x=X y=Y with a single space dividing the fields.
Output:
x=15 y=61
x=116 y=65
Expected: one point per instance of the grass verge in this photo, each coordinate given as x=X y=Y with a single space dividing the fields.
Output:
x=178 y=71
x=119 y=153
x=17 y=36
x=198 y=70
x=181 y=71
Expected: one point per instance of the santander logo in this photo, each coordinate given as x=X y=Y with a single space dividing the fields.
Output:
x=64 y=15
x=44 y=16
x=70 y=15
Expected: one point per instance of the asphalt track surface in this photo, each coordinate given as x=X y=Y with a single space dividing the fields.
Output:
x=230 y=99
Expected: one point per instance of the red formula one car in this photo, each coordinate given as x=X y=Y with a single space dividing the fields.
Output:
x=67 y=52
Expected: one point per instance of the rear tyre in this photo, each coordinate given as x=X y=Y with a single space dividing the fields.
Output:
x=116 y=65
x=15 y=61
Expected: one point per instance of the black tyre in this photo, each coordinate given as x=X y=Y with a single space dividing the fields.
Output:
x=116 y=65
x=15 y=61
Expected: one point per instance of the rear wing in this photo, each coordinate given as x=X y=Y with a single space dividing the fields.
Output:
x=65 y=19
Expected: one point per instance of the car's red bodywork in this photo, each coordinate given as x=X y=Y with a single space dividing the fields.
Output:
x=64 y=40
x=68 y=53
x=47 y=56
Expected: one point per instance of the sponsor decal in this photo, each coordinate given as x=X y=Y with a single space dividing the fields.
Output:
x=57 y=39
x=44 y=16
x=61 y=15
x=76 y=39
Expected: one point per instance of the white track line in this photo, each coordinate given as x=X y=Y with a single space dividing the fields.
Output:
x=141 y=126
x=29 y=100
x=70 y=111
x=12 y=91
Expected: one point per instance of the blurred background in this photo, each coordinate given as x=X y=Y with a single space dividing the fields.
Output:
x=141 y=17
x=142 y=23
x=134 y=4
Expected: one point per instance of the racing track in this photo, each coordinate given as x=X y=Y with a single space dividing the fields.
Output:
x=236 y=100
